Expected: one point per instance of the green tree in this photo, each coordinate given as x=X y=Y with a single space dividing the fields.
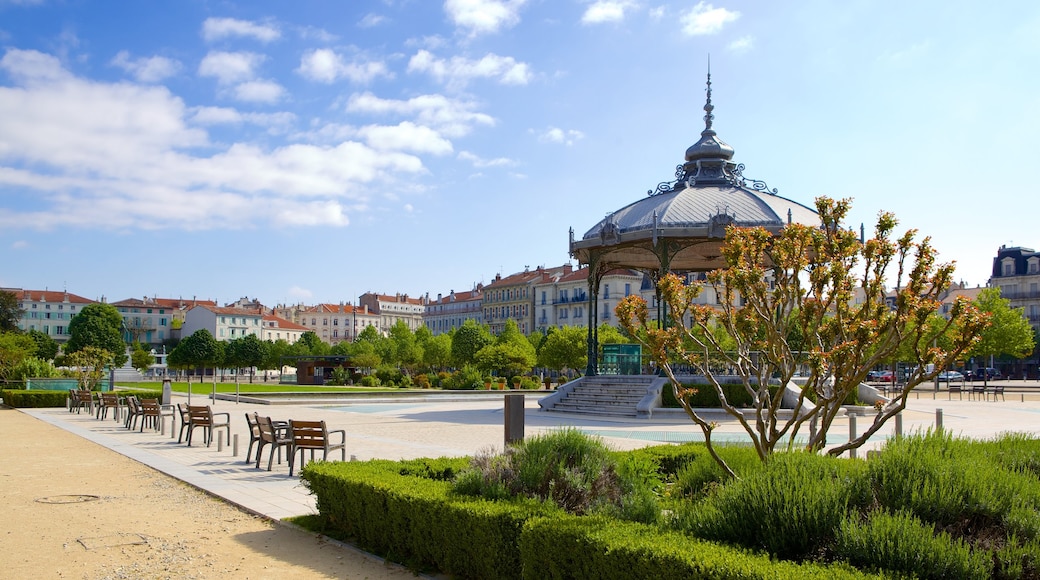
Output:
x=806 y=276
x=364 y=356
x=511 y=354
x=90 y=362
x=1009 y=332
x=405 y=347
x=248 y=351
x=565 y=348
x=276 y=353
x=10 y=311
x=310 y=345
x=467 y=340
x=15 y=348
x=437 y=352
x=46 y=347
x=98 y=325
x=200 y=350
x=141 y=358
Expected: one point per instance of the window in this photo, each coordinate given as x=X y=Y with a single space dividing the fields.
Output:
x=628 y=289
x=34 y=307
x=1007 y=269
x=223 y=320
x=47 y=307
x=162 y=322
x=325 y=322
x=543 y=296
x=606 y=291
x=335 y=322
x=335 y=333
x=149 y=310
x=314 y=322
x=61 y=307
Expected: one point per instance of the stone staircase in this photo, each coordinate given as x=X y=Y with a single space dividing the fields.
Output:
x=605 y=395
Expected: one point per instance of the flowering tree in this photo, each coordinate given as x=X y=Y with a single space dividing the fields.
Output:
x=808 y=297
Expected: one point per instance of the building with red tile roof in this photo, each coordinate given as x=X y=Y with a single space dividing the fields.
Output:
x=48 y=311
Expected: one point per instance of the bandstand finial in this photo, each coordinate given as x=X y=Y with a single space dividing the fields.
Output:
x=708 y=107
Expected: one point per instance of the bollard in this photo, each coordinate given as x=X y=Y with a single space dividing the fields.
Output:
x=938 y=419
x=852 y=434
x=899 y=424
x=234 y=445
x=162 y=425
x=220 y=442
x=353 y=457
x=514 y=418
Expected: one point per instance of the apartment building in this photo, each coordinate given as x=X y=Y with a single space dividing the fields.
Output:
x=391 y=309
x=1016 y=271
x=513 y=297
x=48 y=311
x=335 y=323
x=277 y=328
x=224 y=323
x=447 y=313
x=151 y=321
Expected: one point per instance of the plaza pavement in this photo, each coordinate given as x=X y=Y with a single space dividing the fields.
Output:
x=406 y=428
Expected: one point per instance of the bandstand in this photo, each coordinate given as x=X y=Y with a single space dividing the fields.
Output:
x=680 y=225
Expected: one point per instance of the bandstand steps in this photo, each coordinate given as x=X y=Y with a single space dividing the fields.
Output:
x=611 y=395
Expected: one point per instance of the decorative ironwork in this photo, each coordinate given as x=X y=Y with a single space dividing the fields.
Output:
x=670 y=186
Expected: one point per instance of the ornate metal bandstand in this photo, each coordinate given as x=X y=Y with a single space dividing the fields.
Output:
x=680 y=225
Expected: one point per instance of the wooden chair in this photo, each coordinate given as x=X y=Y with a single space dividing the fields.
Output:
x=109 y=401
x=952 y=388
x=203 y=416
x=275 y=436
x=254 y=436
x=182 y=412
x=998 y=389
x=83 y=400
x=153 y=414
x=314 y=435
x=977 y=389
x=133 y=411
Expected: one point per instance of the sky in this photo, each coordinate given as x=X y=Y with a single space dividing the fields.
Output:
x=311 y=151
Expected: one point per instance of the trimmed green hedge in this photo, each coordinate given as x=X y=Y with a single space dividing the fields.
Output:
x=573 y=547
x=394 y=509
x=33 y=399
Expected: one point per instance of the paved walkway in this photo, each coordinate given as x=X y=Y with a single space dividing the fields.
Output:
x=431 y=427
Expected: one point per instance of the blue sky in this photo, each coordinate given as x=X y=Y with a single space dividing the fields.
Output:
x=311 y=151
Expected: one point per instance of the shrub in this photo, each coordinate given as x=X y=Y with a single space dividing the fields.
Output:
x=422 y=381
x=576 y=472
x=388 y=375
x=369 y=381
x=900 y=542
x=702 y=473
x=788 y=508
x=33 y=399
x=340 y=376
x=467 y=378
x=529 y=383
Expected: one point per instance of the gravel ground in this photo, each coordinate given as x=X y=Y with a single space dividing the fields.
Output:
x=74 y=509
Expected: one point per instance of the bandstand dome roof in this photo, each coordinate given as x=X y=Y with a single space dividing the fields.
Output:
x=682 y=222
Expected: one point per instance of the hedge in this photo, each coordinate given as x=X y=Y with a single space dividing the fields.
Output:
x=34 y=399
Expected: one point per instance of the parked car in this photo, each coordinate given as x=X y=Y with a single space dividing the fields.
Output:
x=986 y=373
x=950 y=376
x=886 y=377
x=874 y=375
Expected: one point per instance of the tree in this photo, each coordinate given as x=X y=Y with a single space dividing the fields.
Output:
x=467 y=340
x=98 y=325
x=1009 y=332
x=199 y=350
x=46 y=347
x=90 y=363
x=806 y=276
x=247 y=351
x=141 y=358
x=364 y=356
x=437 y=352
x=10 y=311
x=405 y=348
x=511 y=354
x=565 y=348
x=15 y=348
x=310 y=345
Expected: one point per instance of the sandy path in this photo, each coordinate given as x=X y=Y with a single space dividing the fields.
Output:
x=143 y=524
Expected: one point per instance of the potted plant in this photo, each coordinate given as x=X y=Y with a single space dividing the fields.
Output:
x=487 y=383
x=501 y=383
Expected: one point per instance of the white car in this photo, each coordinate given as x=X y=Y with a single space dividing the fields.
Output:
x=950 y=376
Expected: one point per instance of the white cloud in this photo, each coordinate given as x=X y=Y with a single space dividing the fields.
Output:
x=259 y=91
x=316 y=213
x=371 y=20
x=230 y=67
x=451 y=117
x=124 y=156
x=480 y=162
x=405 y=136
x=607 y=11
x=147 y=70
x=227 y=116
x=556 y=135
x=458 y=71
x=657 y=12
x=484 y=16
x=742 y=44
x=408 y=208
x=220 y=28
x=705 y=19
x=324 y=65
x=19 y=245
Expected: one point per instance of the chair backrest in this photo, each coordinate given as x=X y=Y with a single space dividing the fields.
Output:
x=84 y=396
x=251 y=420
x=309 y=434
x=133 y=404
x=266 y=429
x=150 y=406
x=200 y=414
x=110 y=399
